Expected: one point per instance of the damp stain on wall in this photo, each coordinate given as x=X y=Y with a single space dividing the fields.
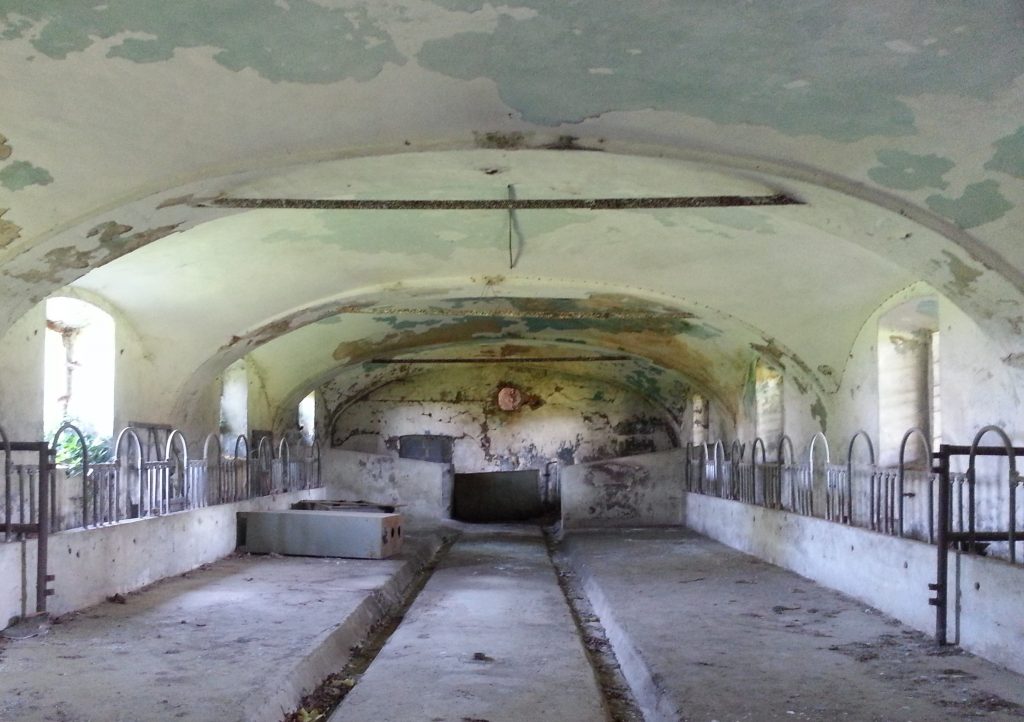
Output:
x=963 y=277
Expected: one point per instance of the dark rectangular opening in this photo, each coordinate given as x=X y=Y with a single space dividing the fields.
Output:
x=498 y=496
x=425 y=447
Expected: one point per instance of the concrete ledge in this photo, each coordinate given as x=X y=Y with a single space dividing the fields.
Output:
x=889 y=573
x=92 y=564
x=421 y=489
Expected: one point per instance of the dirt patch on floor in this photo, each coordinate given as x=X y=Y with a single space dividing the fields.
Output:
x=913 y=662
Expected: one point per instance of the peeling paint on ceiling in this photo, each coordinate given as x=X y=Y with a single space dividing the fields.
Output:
x=906 y=171
x=300 y=41
x=980 y=203
x=708 y=65
x=1009 y=154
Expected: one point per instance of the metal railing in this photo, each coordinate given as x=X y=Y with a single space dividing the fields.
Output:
x=899 y=500
x=132 y=486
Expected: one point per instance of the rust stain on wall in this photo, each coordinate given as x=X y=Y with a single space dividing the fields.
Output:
x=963 y=276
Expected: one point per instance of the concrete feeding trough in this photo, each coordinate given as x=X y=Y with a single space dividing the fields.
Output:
x=322 y=533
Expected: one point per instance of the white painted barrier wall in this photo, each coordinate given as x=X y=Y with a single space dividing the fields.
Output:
x=641 y=490
x=889 y=573
x=92 y=564
x=421 y=489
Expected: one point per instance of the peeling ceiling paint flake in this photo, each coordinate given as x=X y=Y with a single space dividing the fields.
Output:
x=22 y=174
x=9 y=232
x=1009 y=155
x=906 y=171
x=980 y=203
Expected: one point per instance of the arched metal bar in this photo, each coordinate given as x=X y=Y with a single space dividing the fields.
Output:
x=785 y=443
x=316 y=448
x=753 y=451
x=810 y=471
x=1011 y=455
x=861 y=434
x=213 y=472
x=128 y=433
x=265 y=459
x=68 y=426
x=241 y=438
x=758 y=443
x=284 y=456
x=918 y=433
x=176 y=435
x=734 y=456
x=719 y=452
x=8 y=470
x=206 y=447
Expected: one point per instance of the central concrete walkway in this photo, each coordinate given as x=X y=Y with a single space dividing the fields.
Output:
x=490 y=638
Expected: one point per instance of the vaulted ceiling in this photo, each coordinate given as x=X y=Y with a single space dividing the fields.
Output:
x=127 y=126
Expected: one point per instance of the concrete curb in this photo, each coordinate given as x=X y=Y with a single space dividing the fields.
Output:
x=330 y=652
x=645 y=684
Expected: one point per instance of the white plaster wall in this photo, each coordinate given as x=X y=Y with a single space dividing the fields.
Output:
x=21 y=377
x=421 y=489
x=564 y=418
x=889 y=573
x=92 y=564
x=642 y=490
x=979 y=384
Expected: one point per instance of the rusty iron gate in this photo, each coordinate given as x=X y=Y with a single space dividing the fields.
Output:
x=962 y=533
x=33 y=520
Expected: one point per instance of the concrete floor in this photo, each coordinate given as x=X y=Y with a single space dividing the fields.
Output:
x=701 y=631
x=704 y=632
x=490 y=637
x=236 y=640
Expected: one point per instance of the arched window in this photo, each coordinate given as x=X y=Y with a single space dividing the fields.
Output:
x=908 y=345
x=234 y=404
x=770 y=416
x=78 y=374
x=701 y=419
x=307 y=418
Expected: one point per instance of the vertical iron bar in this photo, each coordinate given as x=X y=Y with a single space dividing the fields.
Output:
x=942 y=547
x=43 y=535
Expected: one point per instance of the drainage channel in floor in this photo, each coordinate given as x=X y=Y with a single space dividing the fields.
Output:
x=618 y=697
x=319 y=704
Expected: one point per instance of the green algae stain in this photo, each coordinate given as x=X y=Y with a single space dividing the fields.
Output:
x=906 y=171
x=1009 y=155
x=297 y=41
x=22 y=174
x=732 y=61
x=980 y=203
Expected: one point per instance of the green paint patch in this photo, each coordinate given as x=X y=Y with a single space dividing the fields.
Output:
x=980 y=203
x=732 y=62
x=297 y=41
x=1009 y=155
x=22 y=174
x=906 y=171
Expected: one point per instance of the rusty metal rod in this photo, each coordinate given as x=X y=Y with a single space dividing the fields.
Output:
x=497 y=204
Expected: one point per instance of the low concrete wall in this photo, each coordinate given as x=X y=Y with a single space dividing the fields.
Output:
x=92 y=564
x=422 y=489
x=886 y=572
x=642 y=490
